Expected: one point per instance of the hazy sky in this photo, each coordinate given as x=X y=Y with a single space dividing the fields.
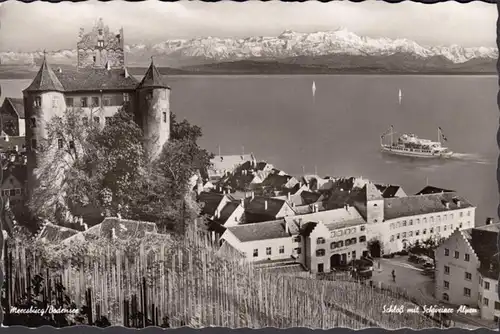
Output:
x=39 y=25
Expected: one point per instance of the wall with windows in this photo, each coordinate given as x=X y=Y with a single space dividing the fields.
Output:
x=457 y=278
x=406 y=230
x=335 y=247
x=488 y=302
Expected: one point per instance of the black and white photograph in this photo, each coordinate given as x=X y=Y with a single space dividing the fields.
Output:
x=249 y=165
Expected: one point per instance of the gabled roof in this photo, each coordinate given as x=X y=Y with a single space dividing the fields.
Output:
x=211 y=201
x=17 y=105
x=260 y=231
x=152 y=79
x=227 y=211
x=45 y=80
x=257 y=205
x=484 y=242
x=397 y=207
x=95 y=79
x=433 y=190
x=124 y=228
x=19 y=172
x=54 y=233
x=387 y=190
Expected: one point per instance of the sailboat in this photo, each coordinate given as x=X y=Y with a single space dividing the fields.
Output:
x=314 y=89
x=400 y=96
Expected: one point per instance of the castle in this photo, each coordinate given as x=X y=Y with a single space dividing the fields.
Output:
x=99 y=86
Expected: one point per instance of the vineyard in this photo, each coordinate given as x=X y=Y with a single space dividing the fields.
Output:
x=161 y=281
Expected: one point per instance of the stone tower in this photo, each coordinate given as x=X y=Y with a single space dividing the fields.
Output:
x=43 y=99
x=100 y=47
x=374 y=204
x=153 y=110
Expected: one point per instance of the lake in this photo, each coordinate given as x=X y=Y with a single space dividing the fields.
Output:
x=338 y=133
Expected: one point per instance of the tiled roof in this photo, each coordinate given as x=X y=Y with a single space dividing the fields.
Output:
x=433 y=190
x=54 y=233
x=484 y=242
x=388 y=190
x=227 y=211
x=260 y=231
x=152 y=79
x=372 y=193
x=309 y=197
x=20 y=172
x=45 y=80
x=309 y=208
x=229 y=251
x=422 y=204
x=276 y=181
x=17 y=104
x=211 y=201
x=331 y=218
x=124 y=228
x=95 y=79
x=257 y=205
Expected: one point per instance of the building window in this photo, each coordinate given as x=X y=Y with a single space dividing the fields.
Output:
x=71 y=144
x=320 y=267
x=353 y=255
x=320 y=252
x=404 y=234
x=392 y=238
x=460 y=225
x=457 y=255
x=85 y=120
x=444 y=227
x=69 y=102
x=446 y=270
x=282 y=250
x=445 y=217
x=467 y=257
x=497 y=306
x=392 y=226
x=410 y=234
x=486 y=285
x=320 y=241
x=468 y=276
x=34 y=144
x=418 y=220
x=268 y=250
x=446 y=285
x=362 y=238
x=33 y=122
x=164 y=117
x=106 y=101
x=12 y=192
x=38 y=101
x=438 y=229
x=495 y=319
x=340 y=244
x=446 y=297
x=126 y=97
x=18 y=191
x=466 y=292
x=417 y=232
x=424 y=231
x=461 y=214
x=347 y=242
x=255 y=252
x=84 y=102
x=451 y=216
x=411 y=222
x=431 y=230
x=404 y=222
x=424 y=221
x=97 y=119
x=362 y=228
x=95 y=59
x=486 y=301
x=298 y=250
x=397 y=236
x=95 y=101
x=399 y=224
x=60 y=143
x=54 y=102
x=100 y=44
x=296 y=238
x=333 y=245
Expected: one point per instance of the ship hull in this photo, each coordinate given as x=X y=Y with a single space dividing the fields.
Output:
x=415 y=153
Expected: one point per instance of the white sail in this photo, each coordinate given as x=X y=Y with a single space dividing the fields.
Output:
x=314 y=89
x=400 y=96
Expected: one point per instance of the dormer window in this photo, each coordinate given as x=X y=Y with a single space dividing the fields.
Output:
x=38 y=101
x=126 y=97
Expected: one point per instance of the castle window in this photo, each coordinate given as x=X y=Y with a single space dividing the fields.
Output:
x=72 y=145
x=33 y=122
x=296 y=238
x=126 y=97
x=33 y=144
x=97 y=120
x=84 y=102
x=281 y=250
x=320 y=252
x=95 y=59
x=60 y=143
x=164 y=117
x=95 y=101
x=69 y=101
x=333 y=245
x=362 y=238
x=320 y=241
x=38 y=101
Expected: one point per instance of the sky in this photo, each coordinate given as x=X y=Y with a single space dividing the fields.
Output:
x=54 y=26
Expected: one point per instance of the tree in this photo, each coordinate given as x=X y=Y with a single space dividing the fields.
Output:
x=90 y=170
x=375 y=247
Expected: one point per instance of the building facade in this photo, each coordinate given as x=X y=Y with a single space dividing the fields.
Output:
x=97 y=93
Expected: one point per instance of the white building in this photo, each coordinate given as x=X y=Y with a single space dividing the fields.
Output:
x=468 y=270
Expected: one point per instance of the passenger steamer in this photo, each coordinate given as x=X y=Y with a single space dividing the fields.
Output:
x=412 y=146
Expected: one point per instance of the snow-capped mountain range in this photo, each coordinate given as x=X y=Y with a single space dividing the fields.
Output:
x=289 y=44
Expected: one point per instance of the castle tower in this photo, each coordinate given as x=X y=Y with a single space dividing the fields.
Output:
x=153 y=110
x=43 y=99
x=374 y=204
x=100 y=46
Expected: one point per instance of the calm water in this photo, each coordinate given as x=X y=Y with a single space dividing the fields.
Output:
x=276 y=118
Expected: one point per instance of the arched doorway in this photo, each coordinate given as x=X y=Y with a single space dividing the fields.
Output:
x=335 y=260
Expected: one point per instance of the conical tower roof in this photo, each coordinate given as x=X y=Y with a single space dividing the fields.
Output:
x=152 y=78
x=45 y=80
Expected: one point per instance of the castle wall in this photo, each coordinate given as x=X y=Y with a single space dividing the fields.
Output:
x=153 y=115
x=97 y=58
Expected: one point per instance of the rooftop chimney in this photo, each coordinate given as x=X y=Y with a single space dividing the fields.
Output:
x=85 y=226
x=242 y=202
x=447 y=205
x=288 y=196
x=458 y=203
x=253 y=195
x=265 y=205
